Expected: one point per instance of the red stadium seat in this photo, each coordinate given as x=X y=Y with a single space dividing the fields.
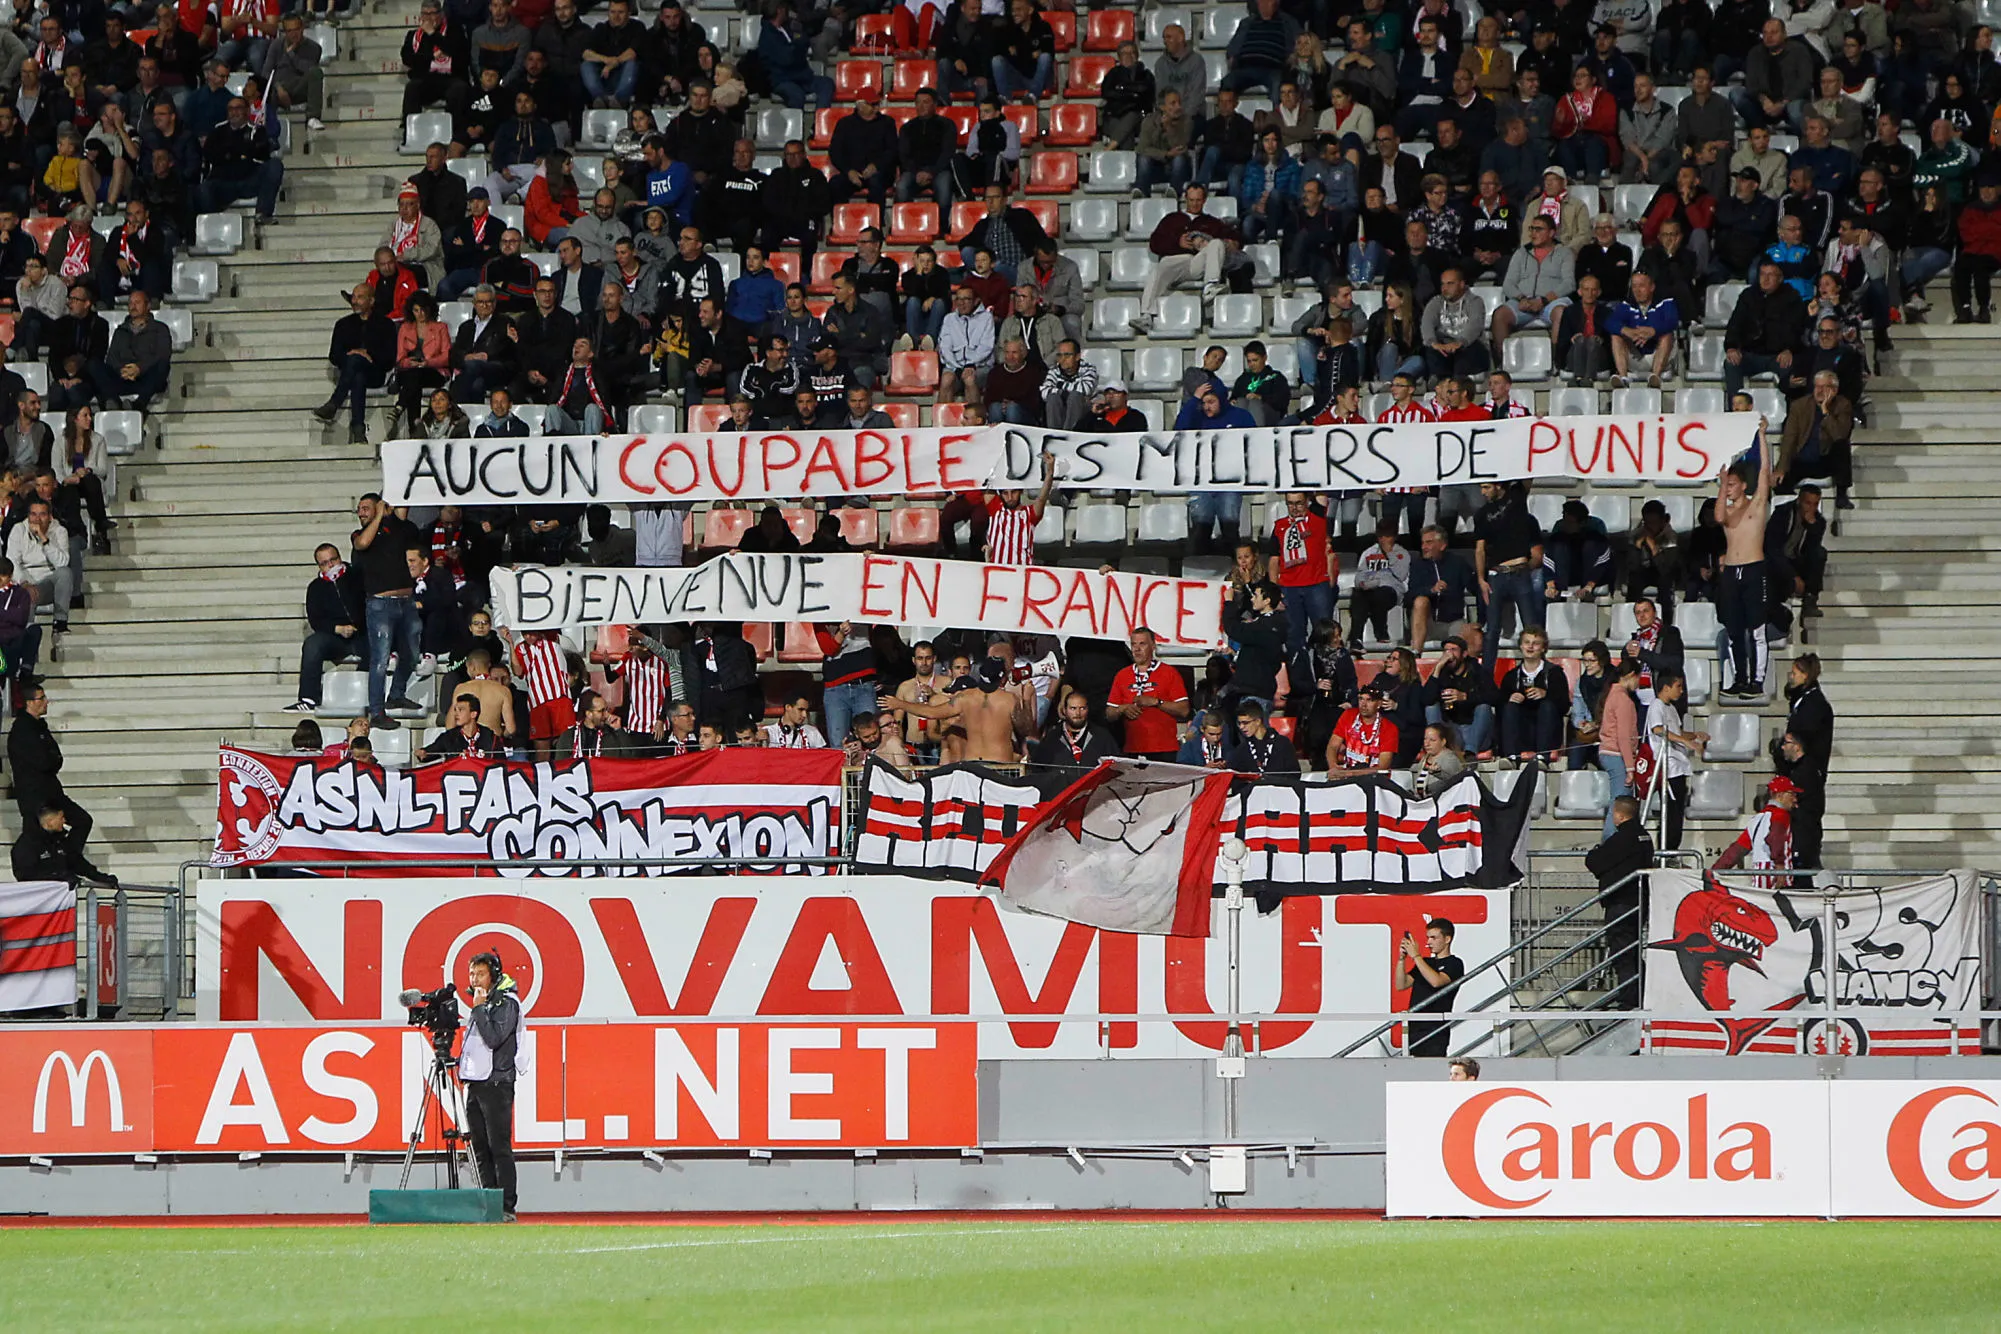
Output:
x=1104 y=29
x=905 y=415
x=757 y=634
x=913 y=528
x=901 y=115
x=1087 y=75
x=7 y=332
x=1283 y=725
x=41 y=229
x=824 y=121
x=948 y=414
x=820 y=305
x=863 y=526
x=910 y=224
x=708 y=417
x=963 y=117
x=849 y=220
x=826 y=263
x=1365 y=671
x=1025 y=123
x=1064 y=25
x=802 y=522
x=854 y=79
x=784 y=265
x=1052 y=173
x=800 y=644
x=913 y=373
x=872 y=33
x=1046 y=214
x=1072 y=125
x=966 y=215
x=725 y=528
x=611 y=643
x=906 y=77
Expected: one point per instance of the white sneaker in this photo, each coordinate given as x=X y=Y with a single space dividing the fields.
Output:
x=315 y=123
x=902 y=344
x=1214 y=290
x=427 y=665
x=303 y=706
x=927 y=344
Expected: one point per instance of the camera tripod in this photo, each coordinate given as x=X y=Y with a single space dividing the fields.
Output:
x=442 y=1095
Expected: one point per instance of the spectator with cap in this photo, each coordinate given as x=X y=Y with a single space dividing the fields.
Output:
x=470 y=245
x=414 y=238
x=1112 y=415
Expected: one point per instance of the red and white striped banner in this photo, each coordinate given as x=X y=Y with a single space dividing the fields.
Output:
x=738 y=805
x=37 y=945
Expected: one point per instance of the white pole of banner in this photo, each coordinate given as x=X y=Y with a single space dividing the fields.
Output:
x=1230 y=1066
x=1828 y=919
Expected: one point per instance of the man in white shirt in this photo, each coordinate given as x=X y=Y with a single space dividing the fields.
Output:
x=792 y=731
x=39 y=549
x=965 y=349
x=1671 y=747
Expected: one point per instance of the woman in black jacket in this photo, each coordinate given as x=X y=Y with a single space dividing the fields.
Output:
x=1259 y=634
x=1404 y=703
x=1328 y=688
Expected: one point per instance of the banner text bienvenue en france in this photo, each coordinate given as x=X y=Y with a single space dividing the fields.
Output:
x=643 y=469
x=869 y=588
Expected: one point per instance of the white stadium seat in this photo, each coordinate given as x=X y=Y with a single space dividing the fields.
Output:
x=219 y=233
x=1637 y=401
x=1130 y=266
x=1572 y=401
x=1113 y=171
x=776 y=126
x=1099 y=525
x=1571 y=624
x=1180 y=316
x=1720 y=301
x=424 y=129
x=1583 y=794
x=1143 y=215
x=1716 y=794
x=651 y=419
x=1157 y=368
x=1164 y=521
x=196 y=280
x=122 y=431
x=1528 y=358
x=1110 y=317
x=180 y=323
x=1092 y=220
x=1236 y=317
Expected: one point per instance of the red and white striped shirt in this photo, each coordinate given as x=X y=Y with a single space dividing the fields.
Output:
x=646 y=686
x=1010 y=534
x=1412 y=411
x=541 y=662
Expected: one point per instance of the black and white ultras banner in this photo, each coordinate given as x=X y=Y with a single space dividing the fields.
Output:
x=1360 y=836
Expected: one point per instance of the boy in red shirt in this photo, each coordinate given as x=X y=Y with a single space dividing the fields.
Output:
x=1304 y=563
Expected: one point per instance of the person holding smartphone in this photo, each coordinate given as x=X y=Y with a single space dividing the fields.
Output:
x=1425 y=976
x=486 y=1068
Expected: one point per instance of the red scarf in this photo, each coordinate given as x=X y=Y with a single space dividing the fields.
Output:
x=336 y=574
x=76 y=255
x=442 y=540
x=125 y=245
x=590 y=384
x=403 y=235
x=597 y=743
x=479 y=226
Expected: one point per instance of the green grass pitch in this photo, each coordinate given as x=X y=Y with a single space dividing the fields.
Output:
x=1014 y=1274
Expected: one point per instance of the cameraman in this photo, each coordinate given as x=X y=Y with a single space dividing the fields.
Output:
x=486 y=1068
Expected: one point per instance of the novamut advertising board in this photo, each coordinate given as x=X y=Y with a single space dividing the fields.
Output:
x=865 y=948
x=198 y=1089
x=1694 y=1148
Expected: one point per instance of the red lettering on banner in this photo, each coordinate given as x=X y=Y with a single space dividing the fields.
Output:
x=1182 y=611
x=1579 y=465
x=1682 y=438
x=825 y=459
x=1079 y=599
x=772 y=464
x=1115 y=595
x=1635 y=447
x=1299 y=986
x=1537 y=1149
x=1905 y=1143
x=987 y=596
x=1147 y=588
x=1544 y=438
x=821 y=921
x=722 y=936
x=959 y=923
x=473 y=923
x=872 y=448
x=687 y=455
x=250 y=928
x=871 y=611
x=742 y=467
x=625 y=456
x=949 y=463
x=1031 y=604
x=913 y=581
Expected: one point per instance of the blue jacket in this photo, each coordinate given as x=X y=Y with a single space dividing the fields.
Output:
x=673 y=190
x=755 y=298
x=1252 y=187
x=784 y=56
x=1796 y=262
x=1662 y=316
x=1192 y=418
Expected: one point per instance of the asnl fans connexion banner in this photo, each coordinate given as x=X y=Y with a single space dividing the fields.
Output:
x=750 y=804
x=1361 y=836
x=1903 y=957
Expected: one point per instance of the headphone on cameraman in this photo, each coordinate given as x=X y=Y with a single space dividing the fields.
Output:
x=491 y=958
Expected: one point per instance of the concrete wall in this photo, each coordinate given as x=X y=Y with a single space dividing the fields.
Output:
x=1129 y=1120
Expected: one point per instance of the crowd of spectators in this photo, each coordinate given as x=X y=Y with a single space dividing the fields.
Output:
x=1602 y=169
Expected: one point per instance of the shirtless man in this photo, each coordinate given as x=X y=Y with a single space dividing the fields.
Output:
x=496 y=701
x=1740 y=596
x=925 y=683
x=987 y=713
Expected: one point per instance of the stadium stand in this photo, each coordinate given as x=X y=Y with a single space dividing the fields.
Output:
x=226 y=482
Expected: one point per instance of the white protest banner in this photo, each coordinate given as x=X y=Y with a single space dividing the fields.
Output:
x=869 y=588
x=640 y=469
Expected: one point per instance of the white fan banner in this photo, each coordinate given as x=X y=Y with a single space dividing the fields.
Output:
x=644 y=469
x=865 y=587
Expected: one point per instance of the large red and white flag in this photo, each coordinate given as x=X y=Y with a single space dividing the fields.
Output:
x=37 y=945
x=1130 y=846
